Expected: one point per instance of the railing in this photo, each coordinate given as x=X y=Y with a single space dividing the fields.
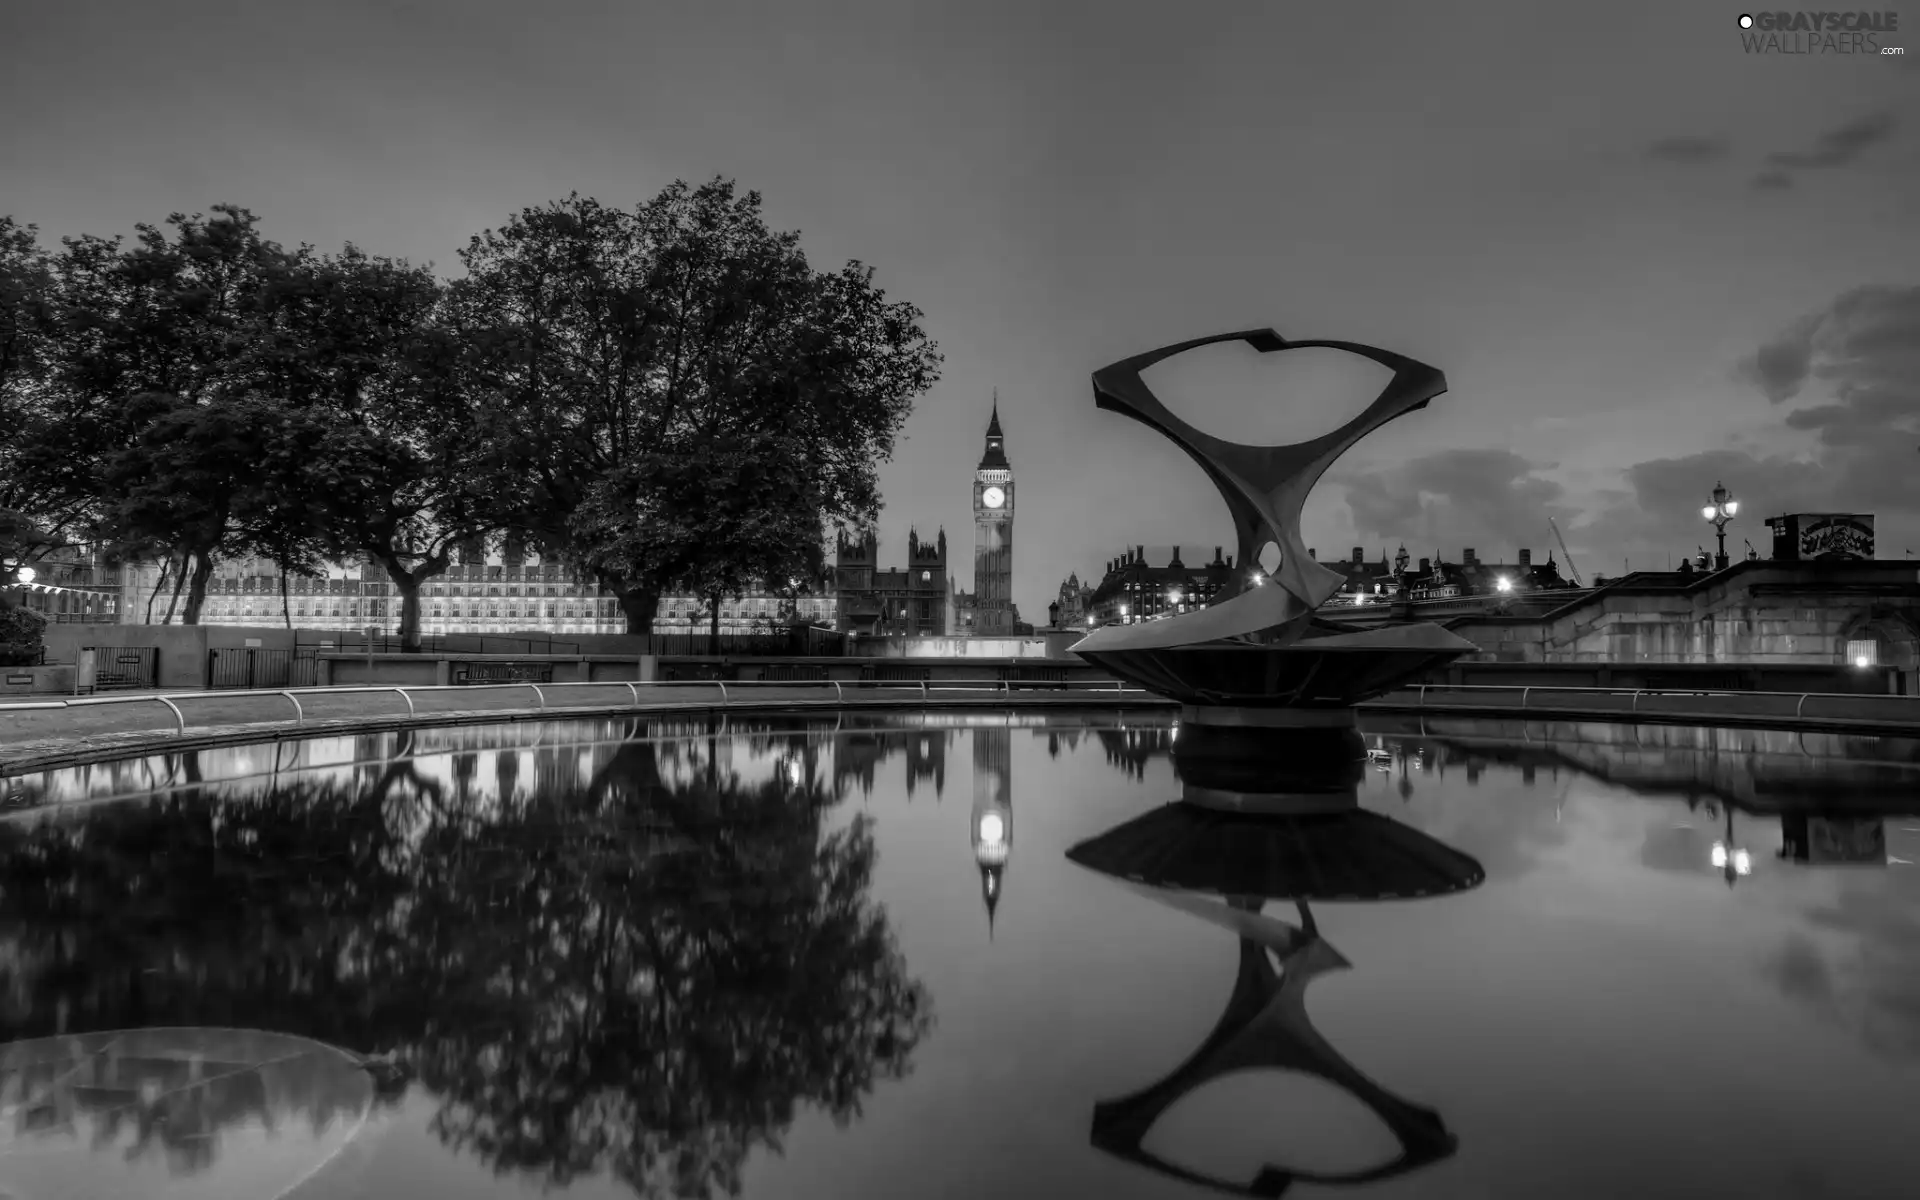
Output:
x=1882 y=709
x=1686 y=702
x=928 y=692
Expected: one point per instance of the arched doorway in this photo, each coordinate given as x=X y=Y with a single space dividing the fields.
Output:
x=1885 y=638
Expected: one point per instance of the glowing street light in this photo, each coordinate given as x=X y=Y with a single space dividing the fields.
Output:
x=1503 y=584
x=1173 y=595
x=1719 y=512
x=1733 y=862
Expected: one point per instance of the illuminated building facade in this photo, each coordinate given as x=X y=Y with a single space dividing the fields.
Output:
x=1134 y=591
x=481 y=594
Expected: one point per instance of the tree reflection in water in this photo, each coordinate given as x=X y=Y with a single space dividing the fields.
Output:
x=638 y=975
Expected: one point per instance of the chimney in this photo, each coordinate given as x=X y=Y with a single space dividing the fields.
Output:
x=1140 y=554
x=1526 y=558
x=1466 y=556
x=1216 y=555
x=1426 y=566
x=1359 y=556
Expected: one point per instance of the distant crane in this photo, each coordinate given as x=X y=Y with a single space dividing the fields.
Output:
x=1573 y=572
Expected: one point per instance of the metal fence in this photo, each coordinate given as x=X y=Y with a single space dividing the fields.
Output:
x=124 y=666
x=798 y=642
x=250 y=667
x=802 y=642
x=830 y=693
x=1776 y=709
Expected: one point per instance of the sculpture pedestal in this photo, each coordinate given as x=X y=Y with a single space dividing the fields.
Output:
x=1300 y=752
x=1232 y=716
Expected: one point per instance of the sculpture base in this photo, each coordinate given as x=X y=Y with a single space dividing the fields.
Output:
x=1319 y=752
x=1232 y=716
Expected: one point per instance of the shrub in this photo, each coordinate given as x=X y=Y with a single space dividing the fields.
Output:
x=20 y=636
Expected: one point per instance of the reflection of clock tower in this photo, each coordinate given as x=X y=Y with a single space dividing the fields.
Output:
x=992 y=817
x=993 y=535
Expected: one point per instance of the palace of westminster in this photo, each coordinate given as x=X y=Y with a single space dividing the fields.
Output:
x=513 y=592
x=510 y=592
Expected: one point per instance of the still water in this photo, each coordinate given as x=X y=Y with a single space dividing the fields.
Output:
x=850 y=957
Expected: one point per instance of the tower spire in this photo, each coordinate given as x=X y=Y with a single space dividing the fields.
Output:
x=993 y=425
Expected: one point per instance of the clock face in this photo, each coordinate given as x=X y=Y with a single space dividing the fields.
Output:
x=993 y=497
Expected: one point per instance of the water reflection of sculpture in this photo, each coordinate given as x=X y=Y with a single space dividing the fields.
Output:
x=555 y=968
x=1234 y=836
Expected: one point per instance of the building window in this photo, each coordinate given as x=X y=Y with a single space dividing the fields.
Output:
x=1863 y=654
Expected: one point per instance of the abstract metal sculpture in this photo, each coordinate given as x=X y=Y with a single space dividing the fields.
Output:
x=1259 y=654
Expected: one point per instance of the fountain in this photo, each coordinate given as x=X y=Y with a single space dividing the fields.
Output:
x=1259 y=666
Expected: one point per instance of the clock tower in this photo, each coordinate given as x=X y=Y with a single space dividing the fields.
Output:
x=993 y=535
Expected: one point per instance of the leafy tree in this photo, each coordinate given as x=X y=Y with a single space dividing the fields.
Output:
x=609 y=343
x=377 y=451
x=731 y=514
x=159 y=383
x=34 y=517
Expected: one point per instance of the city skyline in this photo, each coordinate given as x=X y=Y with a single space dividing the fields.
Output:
x=1643 y=274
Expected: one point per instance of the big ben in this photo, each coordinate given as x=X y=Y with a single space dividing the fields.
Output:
x=993 y=535
x=992 y=816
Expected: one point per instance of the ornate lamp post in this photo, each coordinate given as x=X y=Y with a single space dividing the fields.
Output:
x=1721 y=511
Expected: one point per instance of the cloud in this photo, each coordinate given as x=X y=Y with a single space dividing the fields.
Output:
x=1873 y=991
x=1866 y=348
x=1489 y=499
x=1855 y=368
x=1839 y=147
x=1689 y=149
x=1771 y=181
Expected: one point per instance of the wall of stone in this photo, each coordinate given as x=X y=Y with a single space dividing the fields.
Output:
x=1760 y=613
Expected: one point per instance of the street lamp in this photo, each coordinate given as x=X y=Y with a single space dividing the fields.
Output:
x=1721 y=511
x=1503 y=584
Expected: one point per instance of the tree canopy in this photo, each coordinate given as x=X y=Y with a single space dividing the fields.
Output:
x=668 y=397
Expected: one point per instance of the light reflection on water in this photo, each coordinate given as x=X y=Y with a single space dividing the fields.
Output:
x=848 y=956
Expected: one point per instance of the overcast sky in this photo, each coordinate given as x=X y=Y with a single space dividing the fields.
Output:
x=1645 y=259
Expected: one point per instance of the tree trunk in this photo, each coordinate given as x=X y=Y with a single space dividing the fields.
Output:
x=637 y=605
x=179 y=582
x=409 y=581
x=286 y=612
x=166 y=573
x=197 y=587
x=713 y=626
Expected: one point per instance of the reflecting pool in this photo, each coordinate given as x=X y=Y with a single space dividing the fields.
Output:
x=964 y=955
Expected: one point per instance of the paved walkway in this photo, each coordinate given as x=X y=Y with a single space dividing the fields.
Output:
x=52 y=732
